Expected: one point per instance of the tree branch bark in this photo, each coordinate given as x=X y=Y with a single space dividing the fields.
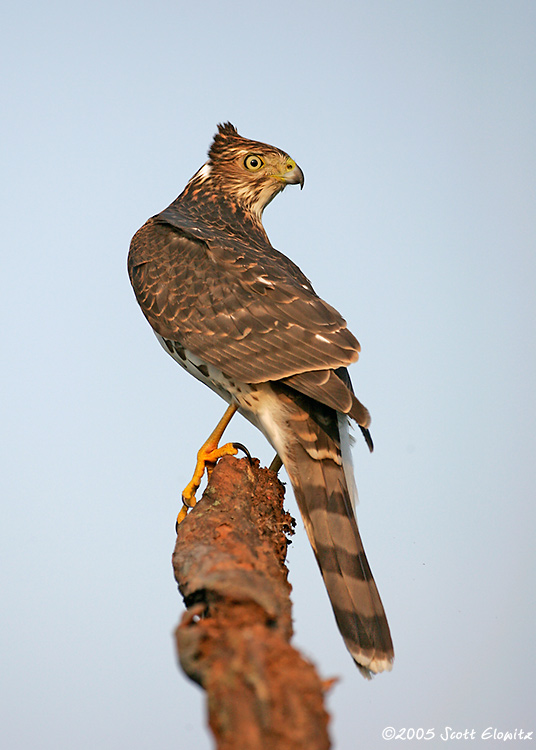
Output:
x=233 y=640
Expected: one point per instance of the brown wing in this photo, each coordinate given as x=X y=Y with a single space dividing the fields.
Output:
x=251 y=316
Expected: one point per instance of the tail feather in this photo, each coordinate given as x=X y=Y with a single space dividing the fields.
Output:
x=314 y=464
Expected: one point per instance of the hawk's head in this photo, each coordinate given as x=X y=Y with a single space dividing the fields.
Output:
x=249 y=172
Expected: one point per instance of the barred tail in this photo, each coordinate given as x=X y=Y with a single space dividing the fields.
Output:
x=314 y=463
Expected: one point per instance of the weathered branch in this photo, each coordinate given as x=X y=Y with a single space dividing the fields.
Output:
x=234 y=638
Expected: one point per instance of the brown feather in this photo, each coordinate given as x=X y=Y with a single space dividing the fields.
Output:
x=314 y=466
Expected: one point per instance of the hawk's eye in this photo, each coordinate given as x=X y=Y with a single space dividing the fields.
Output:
x=253 y=162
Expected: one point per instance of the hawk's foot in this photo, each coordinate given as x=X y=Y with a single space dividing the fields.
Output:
x=206 y=459
x=207 y=456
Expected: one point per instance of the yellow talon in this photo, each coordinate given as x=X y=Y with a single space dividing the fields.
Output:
x=182 y=515
x=207 y=456
x=206 y=459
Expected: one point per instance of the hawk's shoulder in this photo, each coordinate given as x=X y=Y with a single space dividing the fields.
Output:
x=246 y=308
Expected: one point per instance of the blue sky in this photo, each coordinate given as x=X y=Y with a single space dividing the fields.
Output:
x=414 y=125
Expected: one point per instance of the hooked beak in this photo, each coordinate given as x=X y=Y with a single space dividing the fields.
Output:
x=294 y=175
x=291 y=174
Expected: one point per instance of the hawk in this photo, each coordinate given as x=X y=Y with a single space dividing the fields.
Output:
x=242 y=318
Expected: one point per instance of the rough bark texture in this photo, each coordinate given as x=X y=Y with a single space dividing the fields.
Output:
x=234 y=638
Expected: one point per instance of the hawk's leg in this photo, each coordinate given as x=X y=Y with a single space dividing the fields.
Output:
x=276 y=464
x=207 y=456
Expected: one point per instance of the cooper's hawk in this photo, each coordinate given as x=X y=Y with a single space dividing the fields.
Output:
x=242 y=318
